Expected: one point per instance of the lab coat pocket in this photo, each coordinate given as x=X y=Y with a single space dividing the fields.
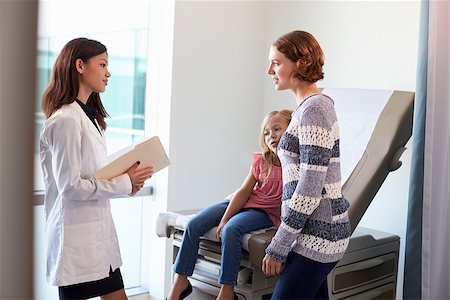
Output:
x=83 y=247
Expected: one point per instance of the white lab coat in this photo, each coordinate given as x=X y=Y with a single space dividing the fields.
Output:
x=81 y=239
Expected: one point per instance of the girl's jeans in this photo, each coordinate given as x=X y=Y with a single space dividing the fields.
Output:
x=244 y=221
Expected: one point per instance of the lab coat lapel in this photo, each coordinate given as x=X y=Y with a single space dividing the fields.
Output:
x=93 y=130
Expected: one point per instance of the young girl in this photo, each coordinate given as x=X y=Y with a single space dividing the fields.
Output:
x=315 y=230
x=255 y=205
x=83 y=256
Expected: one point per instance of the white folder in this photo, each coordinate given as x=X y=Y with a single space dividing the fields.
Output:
x=149 y=152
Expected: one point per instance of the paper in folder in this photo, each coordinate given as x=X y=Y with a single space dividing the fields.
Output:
x=149 y=152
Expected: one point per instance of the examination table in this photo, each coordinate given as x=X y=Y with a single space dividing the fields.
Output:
x=372 y=141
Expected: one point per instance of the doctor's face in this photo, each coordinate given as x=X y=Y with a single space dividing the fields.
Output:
x=95 y=74
x=280 y=69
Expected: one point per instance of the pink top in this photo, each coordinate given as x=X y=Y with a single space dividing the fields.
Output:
x=266 y=194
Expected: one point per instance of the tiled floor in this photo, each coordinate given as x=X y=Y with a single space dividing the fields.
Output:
x=198 y=295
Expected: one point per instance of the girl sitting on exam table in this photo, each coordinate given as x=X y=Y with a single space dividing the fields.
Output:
x=83 y=256
x=255 y=205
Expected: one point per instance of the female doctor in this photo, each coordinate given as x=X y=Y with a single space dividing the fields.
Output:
x=83 y=256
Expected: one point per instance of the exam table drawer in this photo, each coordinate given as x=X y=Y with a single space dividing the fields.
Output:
x=383 y=292
x=363 y=272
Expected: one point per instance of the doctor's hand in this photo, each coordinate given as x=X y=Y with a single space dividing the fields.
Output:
x=271 y=267
x=138 y=177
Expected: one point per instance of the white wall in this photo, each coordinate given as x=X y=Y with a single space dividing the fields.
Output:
x=217 y=98
x=367 y=45
x=18 y=22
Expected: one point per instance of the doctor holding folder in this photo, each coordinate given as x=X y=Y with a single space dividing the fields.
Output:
x=83 y=256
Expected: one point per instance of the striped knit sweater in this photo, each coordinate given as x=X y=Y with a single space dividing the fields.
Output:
x=314 y=215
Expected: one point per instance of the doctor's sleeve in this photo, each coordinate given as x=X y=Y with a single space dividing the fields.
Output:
x=64 y=142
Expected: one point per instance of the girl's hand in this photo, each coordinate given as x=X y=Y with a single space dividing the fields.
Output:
x=138 y=177
x=219 y=229
x=271 y=267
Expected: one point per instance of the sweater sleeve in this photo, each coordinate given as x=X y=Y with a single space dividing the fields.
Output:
x=304 y=185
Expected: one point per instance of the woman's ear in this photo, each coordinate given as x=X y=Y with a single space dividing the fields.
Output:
x=301 y=61
x=79 y=65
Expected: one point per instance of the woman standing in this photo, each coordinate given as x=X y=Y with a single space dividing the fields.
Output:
x=315 y=228
x=83 y=256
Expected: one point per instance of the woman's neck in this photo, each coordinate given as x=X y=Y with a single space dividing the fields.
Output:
x=304 y=90
x=83 y=94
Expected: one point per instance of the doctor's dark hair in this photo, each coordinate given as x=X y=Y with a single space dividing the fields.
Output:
x=267 y=154
x=64 y=80
x=303 y=49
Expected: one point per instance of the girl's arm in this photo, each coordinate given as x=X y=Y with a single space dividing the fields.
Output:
x=239 y=199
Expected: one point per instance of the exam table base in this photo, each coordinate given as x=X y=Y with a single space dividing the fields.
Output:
x=368 y=270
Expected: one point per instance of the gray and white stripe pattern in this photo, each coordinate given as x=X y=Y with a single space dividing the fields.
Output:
x=314 y=213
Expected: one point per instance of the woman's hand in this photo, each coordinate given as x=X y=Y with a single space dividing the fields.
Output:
x=138 y=177
x=219 y=229
x=271 y=267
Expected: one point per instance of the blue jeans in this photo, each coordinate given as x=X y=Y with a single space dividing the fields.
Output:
x=243 y=222
x=302 y=278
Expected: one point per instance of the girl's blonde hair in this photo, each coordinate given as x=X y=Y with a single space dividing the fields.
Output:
x=267 y=154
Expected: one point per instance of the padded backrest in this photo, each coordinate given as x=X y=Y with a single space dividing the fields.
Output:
x=392 y=131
